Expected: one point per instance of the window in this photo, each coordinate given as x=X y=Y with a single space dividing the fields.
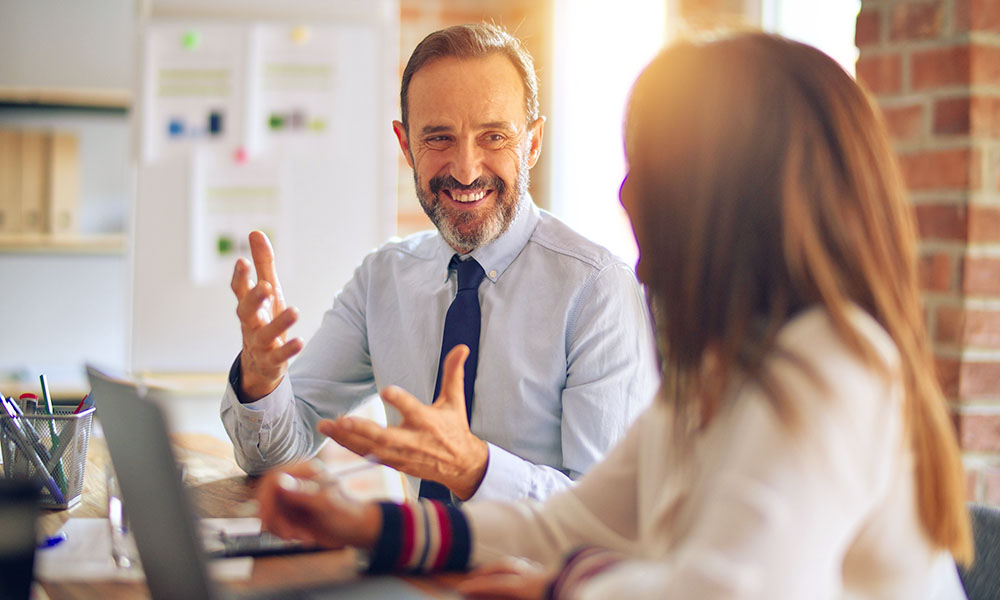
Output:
x=599 y=48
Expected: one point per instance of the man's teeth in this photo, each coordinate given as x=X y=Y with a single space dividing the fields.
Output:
x=473 y=197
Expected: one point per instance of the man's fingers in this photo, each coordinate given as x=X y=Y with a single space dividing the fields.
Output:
x=360 y=436
x=408 y=406
x=251 y=307
x=286 y=351
x=453 y=377
x=263 y=261
x=280 y=325
x=241 y=283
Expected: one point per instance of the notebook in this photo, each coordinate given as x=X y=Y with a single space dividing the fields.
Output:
x=161 y=513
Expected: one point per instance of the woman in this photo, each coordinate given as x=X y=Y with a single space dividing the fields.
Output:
x=800 y=446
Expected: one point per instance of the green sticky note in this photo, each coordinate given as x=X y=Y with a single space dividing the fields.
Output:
x=191 y=39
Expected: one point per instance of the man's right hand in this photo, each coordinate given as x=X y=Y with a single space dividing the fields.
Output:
x=264 y=320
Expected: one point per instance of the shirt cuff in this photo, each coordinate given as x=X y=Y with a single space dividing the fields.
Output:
x=506 y=477
x=268 y=403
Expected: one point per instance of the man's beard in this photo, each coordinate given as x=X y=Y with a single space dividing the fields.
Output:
x=459 y=229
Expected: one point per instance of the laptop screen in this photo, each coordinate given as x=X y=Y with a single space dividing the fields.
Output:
x=159 y=509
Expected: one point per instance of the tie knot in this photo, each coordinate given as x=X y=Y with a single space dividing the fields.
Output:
x=470 y=273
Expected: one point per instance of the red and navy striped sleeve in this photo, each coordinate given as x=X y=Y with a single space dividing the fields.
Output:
x=421 y=537
x=581 y=566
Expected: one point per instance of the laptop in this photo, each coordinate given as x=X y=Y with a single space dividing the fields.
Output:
x=160 y=511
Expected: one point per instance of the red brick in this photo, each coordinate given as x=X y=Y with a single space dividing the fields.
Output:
x=981 y=275
x=881 y=74
x=935 y=272
x=984 y=223
x=950 y=325
x=978 y=115
x=946 y=370
x=985 y=65
x=979 y=379
x=941 y=221
x=940 y=169
x=953 y=116
x=866 y=28
x=976 y=15
x=915 y=21
x=940 y=67
x=905 y=123
x=982 y=328
x=979 y=432
x=985 y=116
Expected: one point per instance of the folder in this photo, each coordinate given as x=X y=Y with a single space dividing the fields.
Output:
x=33 y=188
x=10 y=181
x=63 y=178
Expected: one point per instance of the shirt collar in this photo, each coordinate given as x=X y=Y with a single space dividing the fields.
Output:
x=496 y=256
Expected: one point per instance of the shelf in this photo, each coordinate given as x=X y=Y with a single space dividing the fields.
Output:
x=86 y=98
x=42 y=243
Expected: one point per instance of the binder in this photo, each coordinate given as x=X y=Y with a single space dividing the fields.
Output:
x=63 y=179
x=33 y=188
x=10 y=181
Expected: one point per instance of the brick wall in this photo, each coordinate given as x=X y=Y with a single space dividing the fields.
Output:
x=527 y=19
x=934 y=66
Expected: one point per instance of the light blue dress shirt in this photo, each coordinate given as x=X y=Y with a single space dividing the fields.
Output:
x=566 y=355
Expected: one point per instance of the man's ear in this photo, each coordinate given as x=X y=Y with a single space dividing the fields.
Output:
x=535 y=130
x=404 y=142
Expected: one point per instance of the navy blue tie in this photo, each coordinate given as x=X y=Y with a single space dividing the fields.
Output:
x=461 y=326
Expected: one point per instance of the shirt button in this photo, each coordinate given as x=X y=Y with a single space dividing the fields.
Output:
x=493 y=274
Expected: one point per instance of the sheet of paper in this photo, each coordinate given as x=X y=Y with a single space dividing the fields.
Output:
x=86 y=553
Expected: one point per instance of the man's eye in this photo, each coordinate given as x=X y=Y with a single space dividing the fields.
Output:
x=437 y=141
x=494 y=140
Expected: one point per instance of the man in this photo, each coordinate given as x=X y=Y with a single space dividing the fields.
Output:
x=564 y=358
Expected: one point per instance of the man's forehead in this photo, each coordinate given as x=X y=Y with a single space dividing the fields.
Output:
x=482 y=91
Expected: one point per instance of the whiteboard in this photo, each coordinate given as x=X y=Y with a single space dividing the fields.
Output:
x=246 y=119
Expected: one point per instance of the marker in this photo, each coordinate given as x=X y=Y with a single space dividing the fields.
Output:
x=58 y=473
x=30 y=403
x=52 y=541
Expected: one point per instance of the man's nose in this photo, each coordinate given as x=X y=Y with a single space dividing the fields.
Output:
x=468 y=162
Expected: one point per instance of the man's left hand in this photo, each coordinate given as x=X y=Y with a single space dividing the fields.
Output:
x=433 y=442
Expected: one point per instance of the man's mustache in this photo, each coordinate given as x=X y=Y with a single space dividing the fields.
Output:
x=447 y=182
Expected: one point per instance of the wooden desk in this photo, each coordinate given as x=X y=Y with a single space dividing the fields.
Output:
x=218 y=487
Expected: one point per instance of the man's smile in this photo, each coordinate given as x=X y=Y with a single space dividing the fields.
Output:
x=467 y=197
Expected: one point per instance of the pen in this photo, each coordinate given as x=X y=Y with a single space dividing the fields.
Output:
x=10 y=422
x=27 y=429
x=250 y=508
x=82 y=403
x=52 y=541
x=58 y=473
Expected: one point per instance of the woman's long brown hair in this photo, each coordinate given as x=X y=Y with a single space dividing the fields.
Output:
x=765 y=184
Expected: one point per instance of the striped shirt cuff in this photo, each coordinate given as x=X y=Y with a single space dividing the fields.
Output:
x=421 y=537
x=581 y=566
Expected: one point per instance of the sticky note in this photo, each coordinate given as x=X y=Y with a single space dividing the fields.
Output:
x=190 y=39
x=215 y=122
x=300 y=34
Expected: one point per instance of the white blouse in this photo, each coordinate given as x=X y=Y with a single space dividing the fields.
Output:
x=825 y=509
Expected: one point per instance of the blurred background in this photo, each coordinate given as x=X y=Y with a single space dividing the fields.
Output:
x=125 y=260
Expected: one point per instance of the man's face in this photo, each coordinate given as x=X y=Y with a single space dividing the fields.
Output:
x=470 y=146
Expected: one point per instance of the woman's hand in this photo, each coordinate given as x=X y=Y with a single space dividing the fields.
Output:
x=295 y=504
x=507 y=580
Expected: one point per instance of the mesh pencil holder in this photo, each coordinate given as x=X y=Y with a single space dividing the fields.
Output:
x=49 y=450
